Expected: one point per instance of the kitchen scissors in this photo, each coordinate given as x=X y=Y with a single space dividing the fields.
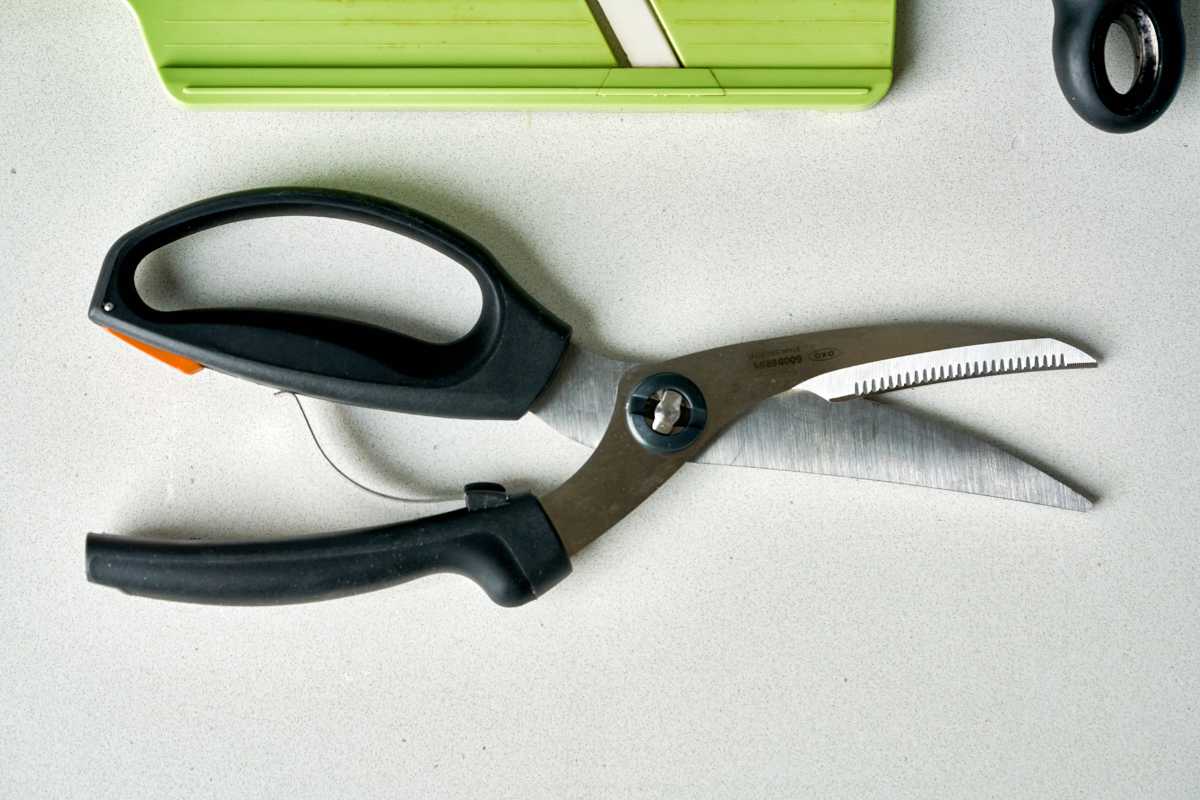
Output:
x=794 y=403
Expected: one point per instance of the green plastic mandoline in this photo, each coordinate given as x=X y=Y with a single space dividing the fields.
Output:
x=516 y=54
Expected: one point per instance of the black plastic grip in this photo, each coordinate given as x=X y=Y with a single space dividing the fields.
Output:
x=512 y=551
x=495 y=371
x=1156 y=29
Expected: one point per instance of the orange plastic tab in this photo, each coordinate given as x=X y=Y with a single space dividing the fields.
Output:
x=184 y=365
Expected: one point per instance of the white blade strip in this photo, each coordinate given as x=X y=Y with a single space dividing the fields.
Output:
x=637 y=29
x=956 y=363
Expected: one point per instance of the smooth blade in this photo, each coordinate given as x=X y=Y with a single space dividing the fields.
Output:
x=579 y=402
x=801 y=432
x=952 y=364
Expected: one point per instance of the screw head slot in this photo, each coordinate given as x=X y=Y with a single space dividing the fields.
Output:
x=666 y=413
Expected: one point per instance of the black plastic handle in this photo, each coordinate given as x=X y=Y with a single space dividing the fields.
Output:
x=1155 y=28
x=512 y=551
x=495 y=371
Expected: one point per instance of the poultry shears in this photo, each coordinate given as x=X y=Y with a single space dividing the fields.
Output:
x=794 y=403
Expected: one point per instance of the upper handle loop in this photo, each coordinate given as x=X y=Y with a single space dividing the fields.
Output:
x=496 y=371
x=1156 y=30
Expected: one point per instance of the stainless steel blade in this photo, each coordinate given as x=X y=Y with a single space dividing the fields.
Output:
x=579 y=402
x=952 y=364
x=625 y=468
x=801 y=432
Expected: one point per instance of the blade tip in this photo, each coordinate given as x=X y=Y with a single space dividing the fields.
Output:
x=1077 y=502
x=1079 y=357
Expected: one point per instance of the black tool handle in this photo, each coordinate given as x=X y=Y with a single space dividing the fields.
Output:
x=512 y=551
x=495 y=371
x=1156 y=29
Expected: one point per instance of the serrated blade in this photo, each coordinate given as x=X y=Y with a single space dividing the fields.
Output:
x=952 y=364
x=865 y=439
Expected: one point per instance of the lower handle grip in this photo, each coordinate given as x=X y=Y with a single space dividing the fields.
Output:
x=512 y=551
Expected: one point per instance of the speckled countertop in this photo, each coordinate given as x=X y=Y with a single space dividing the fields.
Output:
x=744 y=634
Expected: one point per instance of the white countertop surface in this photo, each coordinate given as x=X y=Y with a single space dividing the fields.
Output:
x=744 y=633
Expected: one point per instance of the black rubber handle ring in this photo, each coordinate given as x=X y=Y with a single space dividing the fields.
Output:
x=1080 y=37
x=496 y=371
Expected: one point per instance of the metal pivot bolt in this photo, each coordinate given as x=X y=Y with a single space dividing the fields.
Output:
x=666 y=413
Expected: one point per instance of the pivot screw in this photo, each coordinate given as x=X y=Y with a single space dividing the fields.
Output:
x=666 y=413
x=668 y=410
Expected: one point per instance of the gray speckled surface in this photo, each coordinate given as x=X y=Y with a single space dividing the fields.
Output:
x=744 y=634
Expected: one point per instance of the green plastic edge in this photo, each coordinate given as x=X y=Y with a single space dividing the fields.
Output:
x=204 y=81
x=518 y=88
